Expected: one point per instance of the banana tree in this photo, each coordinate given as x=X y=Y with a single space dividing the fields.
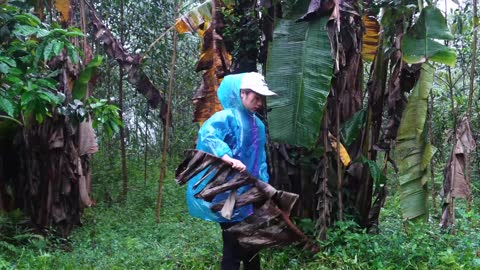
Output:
x=44 y=88
x=414 y=152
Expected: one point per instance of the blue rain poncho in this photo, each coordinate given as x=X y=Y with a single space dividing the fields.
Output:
x=234 y=131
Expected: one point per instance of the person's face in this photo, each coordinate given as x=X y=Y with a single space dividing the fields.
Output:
x=251 y=100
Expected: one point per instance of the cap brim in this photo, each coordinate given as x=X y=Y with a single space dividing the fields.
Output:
x=264 y=91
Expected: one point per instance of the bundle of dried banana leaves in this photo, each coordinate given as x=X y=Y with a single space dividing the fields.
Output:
x=270 y=224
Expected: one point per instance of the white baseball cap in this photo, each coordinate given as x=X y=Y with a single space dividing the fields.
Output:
x=255 y=82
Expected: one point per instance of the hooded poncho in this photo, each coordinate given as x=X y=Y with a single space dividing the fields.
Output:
x=234 y=131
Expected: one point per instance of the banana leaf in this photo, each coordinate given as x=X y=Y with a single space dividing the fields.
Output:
x=420 y=45
x=198 y=19
x=299 y=69
x=413 y=150
x=80 y=88
x=370 y=38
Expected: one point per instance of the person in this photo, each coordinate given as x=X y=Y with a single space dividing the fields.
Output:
x=238 y=137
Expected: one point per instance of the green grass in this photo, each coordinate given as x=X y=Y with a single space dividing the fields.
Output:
x=127 y=237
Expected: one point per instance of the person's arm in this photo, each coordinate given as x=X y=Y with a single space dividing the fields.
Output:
x=211 y=138
x=263 y=166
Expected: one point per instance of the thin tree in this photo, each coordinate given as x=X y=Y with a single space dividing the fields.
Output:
x=146 y=147
x=120 y=105
x=168 y=121
x=468 y=167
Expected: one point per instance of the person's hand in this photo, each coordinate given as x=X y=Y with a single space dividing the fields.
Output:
x=236 y=164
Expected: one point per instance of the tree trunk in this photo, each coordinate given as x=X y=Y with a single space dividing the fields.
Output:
x=168 y=121
x=120 y=105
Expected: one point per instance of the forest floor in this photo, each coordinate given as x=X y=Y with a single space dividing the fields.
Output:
x=116 y=236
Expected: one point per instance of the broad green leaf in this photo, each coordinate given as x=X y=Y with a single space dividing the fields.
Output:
x=6 y=106
x=42 y=33
x=48 y=51
x=413 y=151
x=4 y=68
x=73 y=53
x=25 y=30
x=39 y=117
x=420 y=45
x=29 y=19
x=13 y=79
x=49 y=97
x=375 y=171
x=74 y=34
x=80 y=87
x=60 y=31
x=39 y=53
x=57 y=47
x=299 y=70
x=431 y=24
x=27 y=97
x=419 y=50
x=48 y=83
x=351 y=129
x=8 y=61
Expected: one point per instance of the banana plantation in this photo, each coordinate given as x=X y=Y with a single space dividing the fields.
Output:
x=371 y=138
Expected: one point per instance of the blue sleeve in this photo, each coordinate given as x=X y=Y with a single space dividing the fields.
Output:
x=263 y=168
x=212 y=134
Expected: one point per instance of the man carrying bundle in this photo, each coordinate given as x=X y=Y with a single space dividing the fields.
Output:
x=238 y=137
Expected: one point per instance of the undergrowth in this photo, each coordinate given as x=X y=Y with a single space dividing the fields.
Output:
x=126 y=236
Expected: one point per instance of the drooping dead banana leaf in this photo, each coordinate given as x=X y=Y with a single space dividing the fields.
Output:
x=131 y=63
x=344 y=156
x=214 y=59
x=196 y=20
x=455 y=184
x=270 y=224
x=370 y=38
x=318 y=8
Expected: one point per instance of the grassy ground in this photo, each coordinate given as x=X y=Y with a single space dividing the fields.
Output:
x=127 y=237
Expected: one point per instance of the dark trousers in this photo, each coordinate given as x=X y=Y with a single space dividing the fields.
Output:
x=234 y=253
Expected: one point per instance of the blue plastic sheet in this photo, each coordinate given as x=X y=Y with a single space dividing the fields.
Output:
x=240 y=134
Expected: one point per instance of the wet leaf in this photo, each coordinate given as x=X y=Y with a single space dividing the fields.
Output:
x=299 y=70
x=419 y=44
x=80 y=87
x=413 y=151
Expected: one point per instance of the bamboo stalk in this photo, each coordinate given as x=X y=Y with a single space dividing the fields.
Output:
x=168 y=120
x=146 y=148
x=122 y=129
x=468 y=167
x=339 y=163
x=432 y=170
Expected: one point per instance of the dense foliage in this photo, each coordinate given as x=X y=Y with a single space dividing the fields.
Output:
x=29 y=72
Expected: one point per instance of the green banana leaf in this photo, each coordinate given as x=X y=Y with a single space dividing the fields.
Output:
x=413 y=151
x=420 y=45
x=299 y=70
x=352 y=128
x=80 y=87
